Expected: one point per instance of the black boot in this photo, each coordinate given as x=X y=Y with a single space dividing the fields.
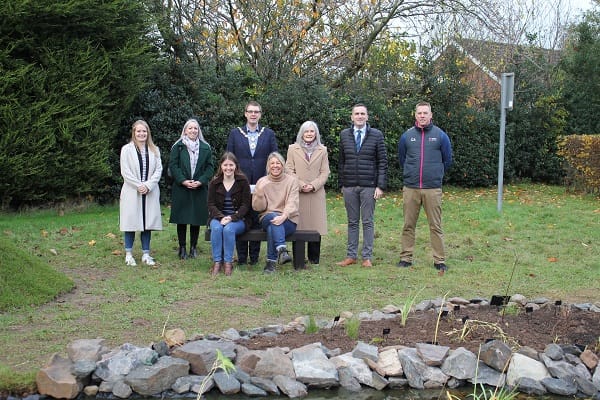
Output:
x=193 y=252
x=283 y=256
x=269 y=267
x=182 y=253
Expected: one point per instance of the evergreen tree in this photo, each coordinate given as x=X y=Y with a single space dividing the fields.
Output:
x=581 y=67
x=68 y=70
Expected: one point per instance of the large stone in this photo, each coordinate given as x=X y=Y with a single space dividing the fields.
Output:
x=378 y=382
x=201 y=354
x=596 y=378
x=559 y=386
x=496 y=354
x=563 y=369
x=253 y=391
x=363 y=350
x=347 y=380
x=153 y=379
x=431 y=354
x=56 y=379
x=461 y=364
x=289 y=386
x=313 y=368
x=185 y=383
x=419 y=374
x=358 y=367
x=274 y=362
x=122 y=390
x=524 y=367
x=266 y=384
x=589 y=358
x=487 y=375
x=554 y=352
x=174 y=337
x=585 y=386
x=87 y=349
x=389 y=363
x=227 y=383
x=115 y=365
x=531 y=386
x=83 y=368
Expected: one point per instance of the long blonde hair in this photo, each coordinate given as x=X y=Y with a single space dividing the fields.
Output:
x=151 y=146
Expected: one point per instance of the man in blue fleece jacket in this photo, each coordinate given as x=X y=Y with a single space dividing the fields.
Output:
x=425 y=153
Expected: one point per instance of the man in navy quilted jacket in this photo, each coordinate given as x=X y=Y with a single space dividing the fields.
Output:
x=425 y=153
x=362 y=175
x=251 y=144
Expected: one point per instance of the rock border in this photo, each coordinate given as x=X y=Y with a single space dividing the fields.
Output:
x=177 y=367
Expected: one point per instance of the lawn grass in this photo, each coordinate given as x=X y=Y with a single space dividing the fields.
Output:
x=26 y=280
x=544 y=243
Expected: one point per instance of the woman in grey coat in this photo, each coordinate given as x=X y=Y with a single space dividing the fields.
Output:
x=191 y=166
x=139 y=206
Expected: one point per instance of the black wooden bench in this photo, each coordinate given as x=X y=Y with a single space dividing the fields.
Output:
x=300 y=237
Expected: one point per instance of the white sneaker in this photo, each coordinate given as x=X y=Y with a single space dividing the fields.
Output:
x=129 y=260
x=146 y=259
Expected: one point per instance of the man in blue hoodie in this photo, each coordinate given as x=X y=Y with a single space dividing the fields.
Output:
x=425 y=153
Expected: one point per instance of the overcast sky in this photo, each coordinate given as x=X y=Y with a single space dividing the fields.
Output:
x=581 y=4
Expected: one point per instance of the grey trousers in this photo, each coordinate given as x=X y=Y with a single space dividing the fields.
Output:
x=360 y=205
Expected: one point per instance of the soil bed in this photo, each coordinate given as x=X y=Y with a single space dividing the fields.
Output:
x=550 y=324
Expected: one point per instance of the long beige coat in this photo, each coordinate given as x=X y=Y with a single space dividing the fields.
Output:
x=313 y=205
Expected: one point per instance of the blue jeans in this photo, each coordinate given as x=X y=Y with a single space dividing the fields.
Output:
x=276 y=234
x=145 y=236
x=222 y=239
x=360 y=204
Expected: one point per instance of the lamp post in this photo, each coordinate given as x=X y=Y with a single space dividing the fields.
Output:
x=506 y=103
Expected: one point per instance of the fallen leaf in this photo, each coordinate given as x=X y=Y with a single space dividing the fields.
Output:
x=111 y=235
x=507 y=239
x=92 y=242
x=552 y=259
x=163 y=280
x=44 y=233
x=63 y=231
x=53 y=251
x=117 y=252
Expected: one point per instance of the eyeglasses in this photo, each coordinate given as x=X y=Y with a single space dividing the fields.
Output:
x=253 y=111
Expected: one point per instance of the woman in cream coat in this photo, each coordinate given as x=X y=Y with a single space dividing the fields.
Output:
x=307 y=160
x=139 y=206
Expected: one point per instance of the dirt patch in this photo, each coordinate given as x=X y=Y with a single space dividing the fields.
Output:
x=467 y=327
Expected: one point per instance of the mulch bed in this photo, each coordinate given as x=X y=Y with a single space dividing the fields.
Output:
x=550 y=324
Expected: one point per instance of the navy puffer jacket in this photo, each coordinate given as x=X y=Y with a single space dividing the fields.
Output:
x=368 y=167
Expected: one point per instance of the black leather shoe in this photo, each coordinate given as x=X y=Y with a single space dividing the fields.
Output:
x=182 y=253
x=193 y=252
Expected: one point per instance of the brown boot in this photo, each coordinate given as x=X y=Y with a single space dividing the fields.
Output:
x=216 y=268
x=228 y=268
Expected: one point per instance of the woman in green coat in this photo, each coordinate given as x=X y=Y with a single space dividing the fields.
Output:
x=191 y=166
